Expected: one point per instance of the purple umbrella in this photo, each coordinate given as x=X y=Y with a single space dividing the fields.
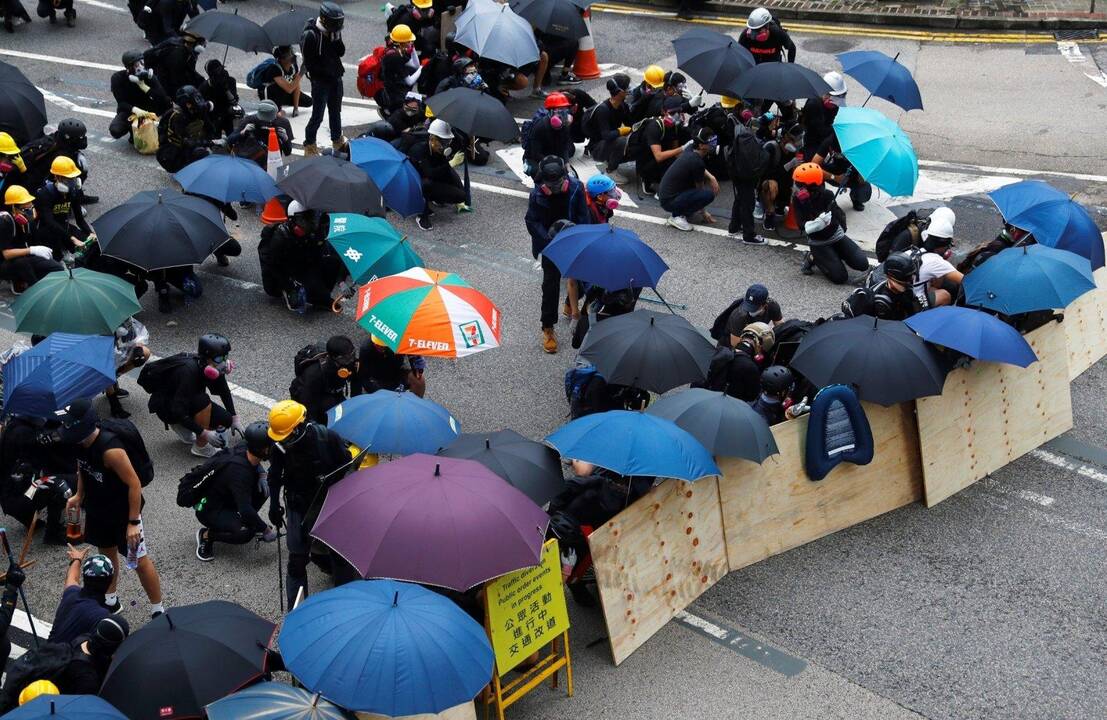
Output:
x=435 y=520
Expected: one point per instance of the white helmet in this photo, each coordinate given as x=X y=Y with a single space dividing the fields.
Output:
x=295 y=208
x=441 y=129
x=836 y=82
x=759 y=18
x=941 y=223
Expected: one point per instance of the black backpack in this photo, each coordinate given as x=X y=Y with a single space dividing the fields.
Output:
x=193 y=487
x=747 y=159
x=718 y=370
x=305 y=356
x=528 y=127
x=891 y=231
x=584 y=388
x=636 y=140
x=132 y=441
x=48 y=661
x=158 y=375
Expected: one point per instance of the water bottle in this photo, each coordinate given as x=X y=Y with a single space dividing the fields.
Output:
x=132 y=557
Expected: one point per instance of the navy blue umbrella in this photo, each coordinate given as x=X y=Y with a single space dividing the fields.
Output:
x=396 y=423
x=883 y=77
x=974 y=333
x=274 y=701
x=158 y=229
x=1028 y=278
x=1053 y=217
x=66 y=707
x=57 y=371
x=725 y=425
x=611 y=257
x=227 y=179
x=390 y=169
x=712 y=59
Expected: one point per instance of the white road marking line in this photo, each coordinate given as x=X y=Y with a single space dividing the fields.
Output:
x=72 y=106
x=1071 y=466
x=104 y=6
x=1050 y=518
x=19 y=619
x=1071 y=52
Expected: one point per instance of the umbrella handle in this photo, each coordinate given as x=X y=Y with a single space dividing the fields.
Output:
x=336 y=305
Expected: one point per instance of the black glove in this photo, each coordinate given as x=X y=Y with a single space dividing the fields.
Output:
x=276 y=515
x=16 y=576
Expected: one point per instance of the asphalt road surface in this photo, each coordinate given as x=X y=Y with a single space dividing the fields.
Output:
x=991 y=605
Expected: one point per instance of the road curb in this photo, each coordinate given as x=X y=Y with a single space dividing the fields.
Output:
x=1045 y=22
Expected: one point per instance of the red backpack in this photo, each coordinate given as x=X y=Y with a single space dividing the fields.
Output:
x=369 y=81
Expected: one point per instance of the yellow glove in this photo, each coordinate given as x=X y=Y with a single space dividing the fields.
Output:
x=624 y=130
x=457 y=159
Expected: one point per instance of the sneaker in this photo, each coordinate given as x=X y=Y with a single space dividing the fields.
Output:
x=268 y=535
x=114 y=608
x=156 y=614
x=755 y=240
x=186 y=435
x=340 y=144
x=424 y=222
x=679 y=223
x=549 y=340
x=71 y=21
x=122 y=393
x=769 y=223
x=808 y=267
x=222 y=261
x=53 y=18
x=204 y=550
x=858 y=206
x=296 y=300
x=539 y=94
x=644 y=189
x=204 y=451
x=568 y=78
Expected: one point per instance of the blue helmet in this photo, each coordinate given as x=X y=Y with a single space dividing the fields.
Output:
x=599 y=184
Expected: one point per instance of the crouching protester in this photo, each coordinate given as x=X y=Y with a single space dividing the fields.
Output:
x=36 y=473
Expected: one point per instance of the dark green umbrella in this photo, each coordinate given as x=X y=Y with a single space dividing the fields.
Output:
x=79 y=301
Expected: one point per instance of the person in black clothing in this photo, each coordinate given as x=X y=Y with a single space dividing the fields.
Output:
x=49 y=9
x=687 y=187
x=735 y=369
x=890 y=287
x=109 y=489
x=307 y=460
x=550 y=134
x=83 y=603
x=135 y=88
x=69 y=140
x=555 y=196
x=173 y=61
x=13 y=580
x=663 y=140
x=407 y=117
x=785 y=154
x=434 y=159
x=754 y=306
x=26 y=259
x=776 y=383
x=673 y=88
x=423 y=21
x=381 y=368
x=400 y=69
x=297 y=263
x=250 y=139
x=824 y=225
x=326 y=379
x=281 y=82
x=817 y=117
x=553 y=51
x=163 y=18
x=181 y=400
x=608 y=124
x=12 y=10
x=638 y=100
x=30 y=458
x=464 y=73
x=61 y=222
x=841 y=171
x=766 y=40
x=185 y=132
x=233 y=494
x=323 y=50
x=221 y=90
x=1010 y=236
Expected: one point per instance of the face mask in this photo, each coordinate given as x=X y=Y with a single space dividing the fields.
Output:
x=611 y=203
x=197 y=49
x=557 y=121
x=211 y=372
x=557 y=186
x=761 y=35
x=61 y=187
x=789 y=148
x=474 y=80
x=837 y=100
x=410 y=111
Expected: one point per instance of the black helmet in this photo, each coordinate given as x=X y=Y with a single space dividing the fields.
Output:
x=564 y=526
x=78 y=421
x=900 y=267
x=560 y=225
x=189 y=98
x=258 y=441
x=131 y=57
x=213 y=345
x=777 y=380
x=73 y=131
x=107 y=635
x=552 y=171
x=461 y=63
x=332 y=15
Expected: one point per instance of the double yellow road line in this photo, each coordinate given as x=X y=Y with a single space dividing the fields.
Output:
x=869 y=31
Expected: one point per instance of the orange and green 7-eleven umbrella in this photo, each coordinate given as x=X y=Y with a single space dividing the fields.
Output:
x=429 y=312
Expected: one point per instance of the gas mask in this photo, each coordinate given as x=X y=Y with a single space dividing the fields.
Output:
x=222 y=366
x=473 y=80
x=420 y=14
x=67 y=184
x=561 y=119
x=344 y=366
x=8 y=162
x=612 y=200
x=673 y=120
x=411 y=110
x=555 y=186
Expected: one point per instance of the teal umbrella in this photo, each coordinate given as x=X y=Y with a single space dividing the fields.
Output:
x=79 y=301
x=370 y=247
x=878 y=148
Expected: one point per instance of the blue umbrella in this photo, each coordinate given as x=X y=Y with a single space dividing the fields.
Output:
x=66 y=707
x=611 y=257
x=397 y=178
x=1028 y=278
x=977 y=334
x=878 y=148
x=398 y=423
x=57 y=371
x=883 y=77
x=386 y=647
x=494 y=32
x=227 y=179
x=633 y=443
x=1053 y=217
x=274 y=701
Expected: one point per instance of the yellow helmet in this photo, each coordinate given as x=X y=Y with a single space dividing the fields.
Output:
x=655 y=76
x=402 y=34
x=728 y=102
x=7 y=145
x=38 y=687
x=65 y=167
x=17 y=195
x=422 y=4
x=286 y=416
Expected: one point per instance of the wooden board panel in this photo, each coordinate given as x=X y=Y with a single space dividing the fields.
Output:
x=773 y=507
x=1086 y=327
x=657 y=556
x=989 y=414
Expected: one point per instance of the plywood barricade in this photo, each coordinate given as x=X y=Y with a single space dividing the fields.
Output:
x=1086 y=327
x=655 y=558
x=989 y=414
x=774 y=507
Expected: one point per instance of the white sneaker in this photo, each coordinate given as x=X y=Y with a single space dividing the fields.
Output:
x=204 y=451
x=679 y=223
x=186 y=435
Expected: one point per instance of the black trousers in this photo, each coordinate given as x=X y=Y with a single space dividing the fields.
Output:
x=225 y=525
x=29 y=269
x=832 y=259
x=46 y=8
x=650 y=170
x=610 y=152
x=551 y=292
x=741 y=212
x=445 y=193
x=120 y=124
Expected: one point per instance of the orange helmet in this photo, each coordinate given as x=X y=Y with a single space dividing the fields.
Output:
x=808 y=174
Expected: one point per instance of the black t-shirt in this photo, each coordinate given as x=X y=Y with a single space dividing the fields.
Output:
x=833 y=159
x=104 y=490
x=77 y=614
x=739 y=318
x=684 y=174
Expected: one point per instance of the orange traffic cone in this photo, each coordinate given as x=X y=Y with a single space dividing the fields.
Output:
x=273 y=213
x=790 y=220
x=585 y=66
x=274 y=160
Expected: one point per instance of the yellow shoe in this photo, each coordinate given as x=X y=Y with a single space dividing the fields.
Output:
x=311 y=150
x=340 y=145
x=549 y=340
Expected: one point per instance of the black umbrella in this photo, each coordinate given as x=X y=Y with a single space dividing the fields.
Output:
x=187 y=658
x=231 y=29
x=22 y=108
x=883 y=360
x=288 y=27
x=329 y=183
x=475 y=113
x=780 y=81
x=532 y=467
x=159 y=229
x=724 y=425
x=712 y=59
x=555 y=17
x=648 y=350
